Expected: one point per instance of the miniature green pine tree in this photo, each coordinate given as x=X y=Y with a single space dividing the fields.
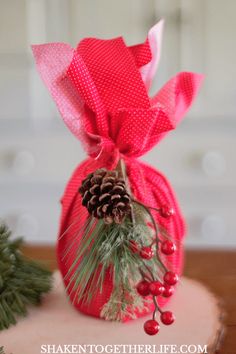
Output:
x=22 y=281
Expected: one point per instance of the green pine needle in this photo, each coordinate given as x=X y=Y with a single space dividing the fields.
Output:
x=22 y=281
x=105 y=250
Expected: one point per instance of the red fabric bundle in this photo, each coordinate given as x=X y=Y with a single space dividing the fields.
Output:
x=101 y=91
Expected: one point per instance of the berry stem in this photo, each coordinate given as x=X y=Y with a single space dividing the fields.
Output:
x=157 y=240
x=144 y=275
x=148 y=269
x=157 y=308
x=152 y=218
x=146 y=206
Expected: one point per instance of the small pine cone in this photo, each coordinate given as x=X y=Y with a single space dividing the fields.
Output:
x=105 y=196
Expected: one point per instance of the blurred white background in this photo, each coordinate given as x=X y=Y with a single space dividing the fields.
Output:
x=38 y=153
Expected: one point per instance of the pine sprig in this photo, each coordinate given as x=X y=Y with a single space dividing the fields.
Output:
x=22 y=281
x=125 y=252
x=106 y=248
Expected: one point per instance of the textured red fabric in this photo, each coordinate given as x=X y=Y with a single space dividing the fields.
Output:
x=117 y=120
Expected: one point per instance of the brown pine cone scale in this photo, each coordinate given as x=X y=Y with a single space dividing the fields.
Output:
x=105 y=196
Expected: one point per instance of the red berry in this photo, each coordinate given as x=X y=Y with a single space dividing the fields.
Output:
x=166 y=211
x=156 y=288
x=168 y=247
x=168 y=290
x=171 y=278
x=143 y=288
x=146 y=252
x=167 y=318
x=133 y=246
x=151 y=327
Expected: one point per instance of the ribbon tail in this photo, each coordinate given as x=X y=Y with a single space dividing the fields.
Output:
x=177 y=96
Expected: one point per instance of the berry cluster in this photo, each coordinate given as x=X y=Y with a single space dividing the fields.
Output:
x=156 y=288
x=150 y=286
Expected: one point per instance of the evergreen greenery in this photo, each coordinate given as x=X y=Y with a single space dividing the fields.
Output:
x=105 y=249
x=22 y=281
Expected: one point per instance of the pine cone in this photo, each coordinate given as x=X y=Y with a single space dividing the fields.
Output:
x=105 y=196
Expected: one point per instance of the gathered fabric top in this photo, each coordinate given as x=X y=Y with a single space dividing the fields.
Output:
x=101 y=89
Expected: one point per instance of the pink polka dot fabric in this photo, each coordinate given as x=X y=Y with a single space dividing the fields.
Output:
x=101 y=89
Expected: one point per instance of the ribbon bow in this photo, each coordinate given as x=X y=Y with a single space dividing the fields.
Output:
x=101 y=89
